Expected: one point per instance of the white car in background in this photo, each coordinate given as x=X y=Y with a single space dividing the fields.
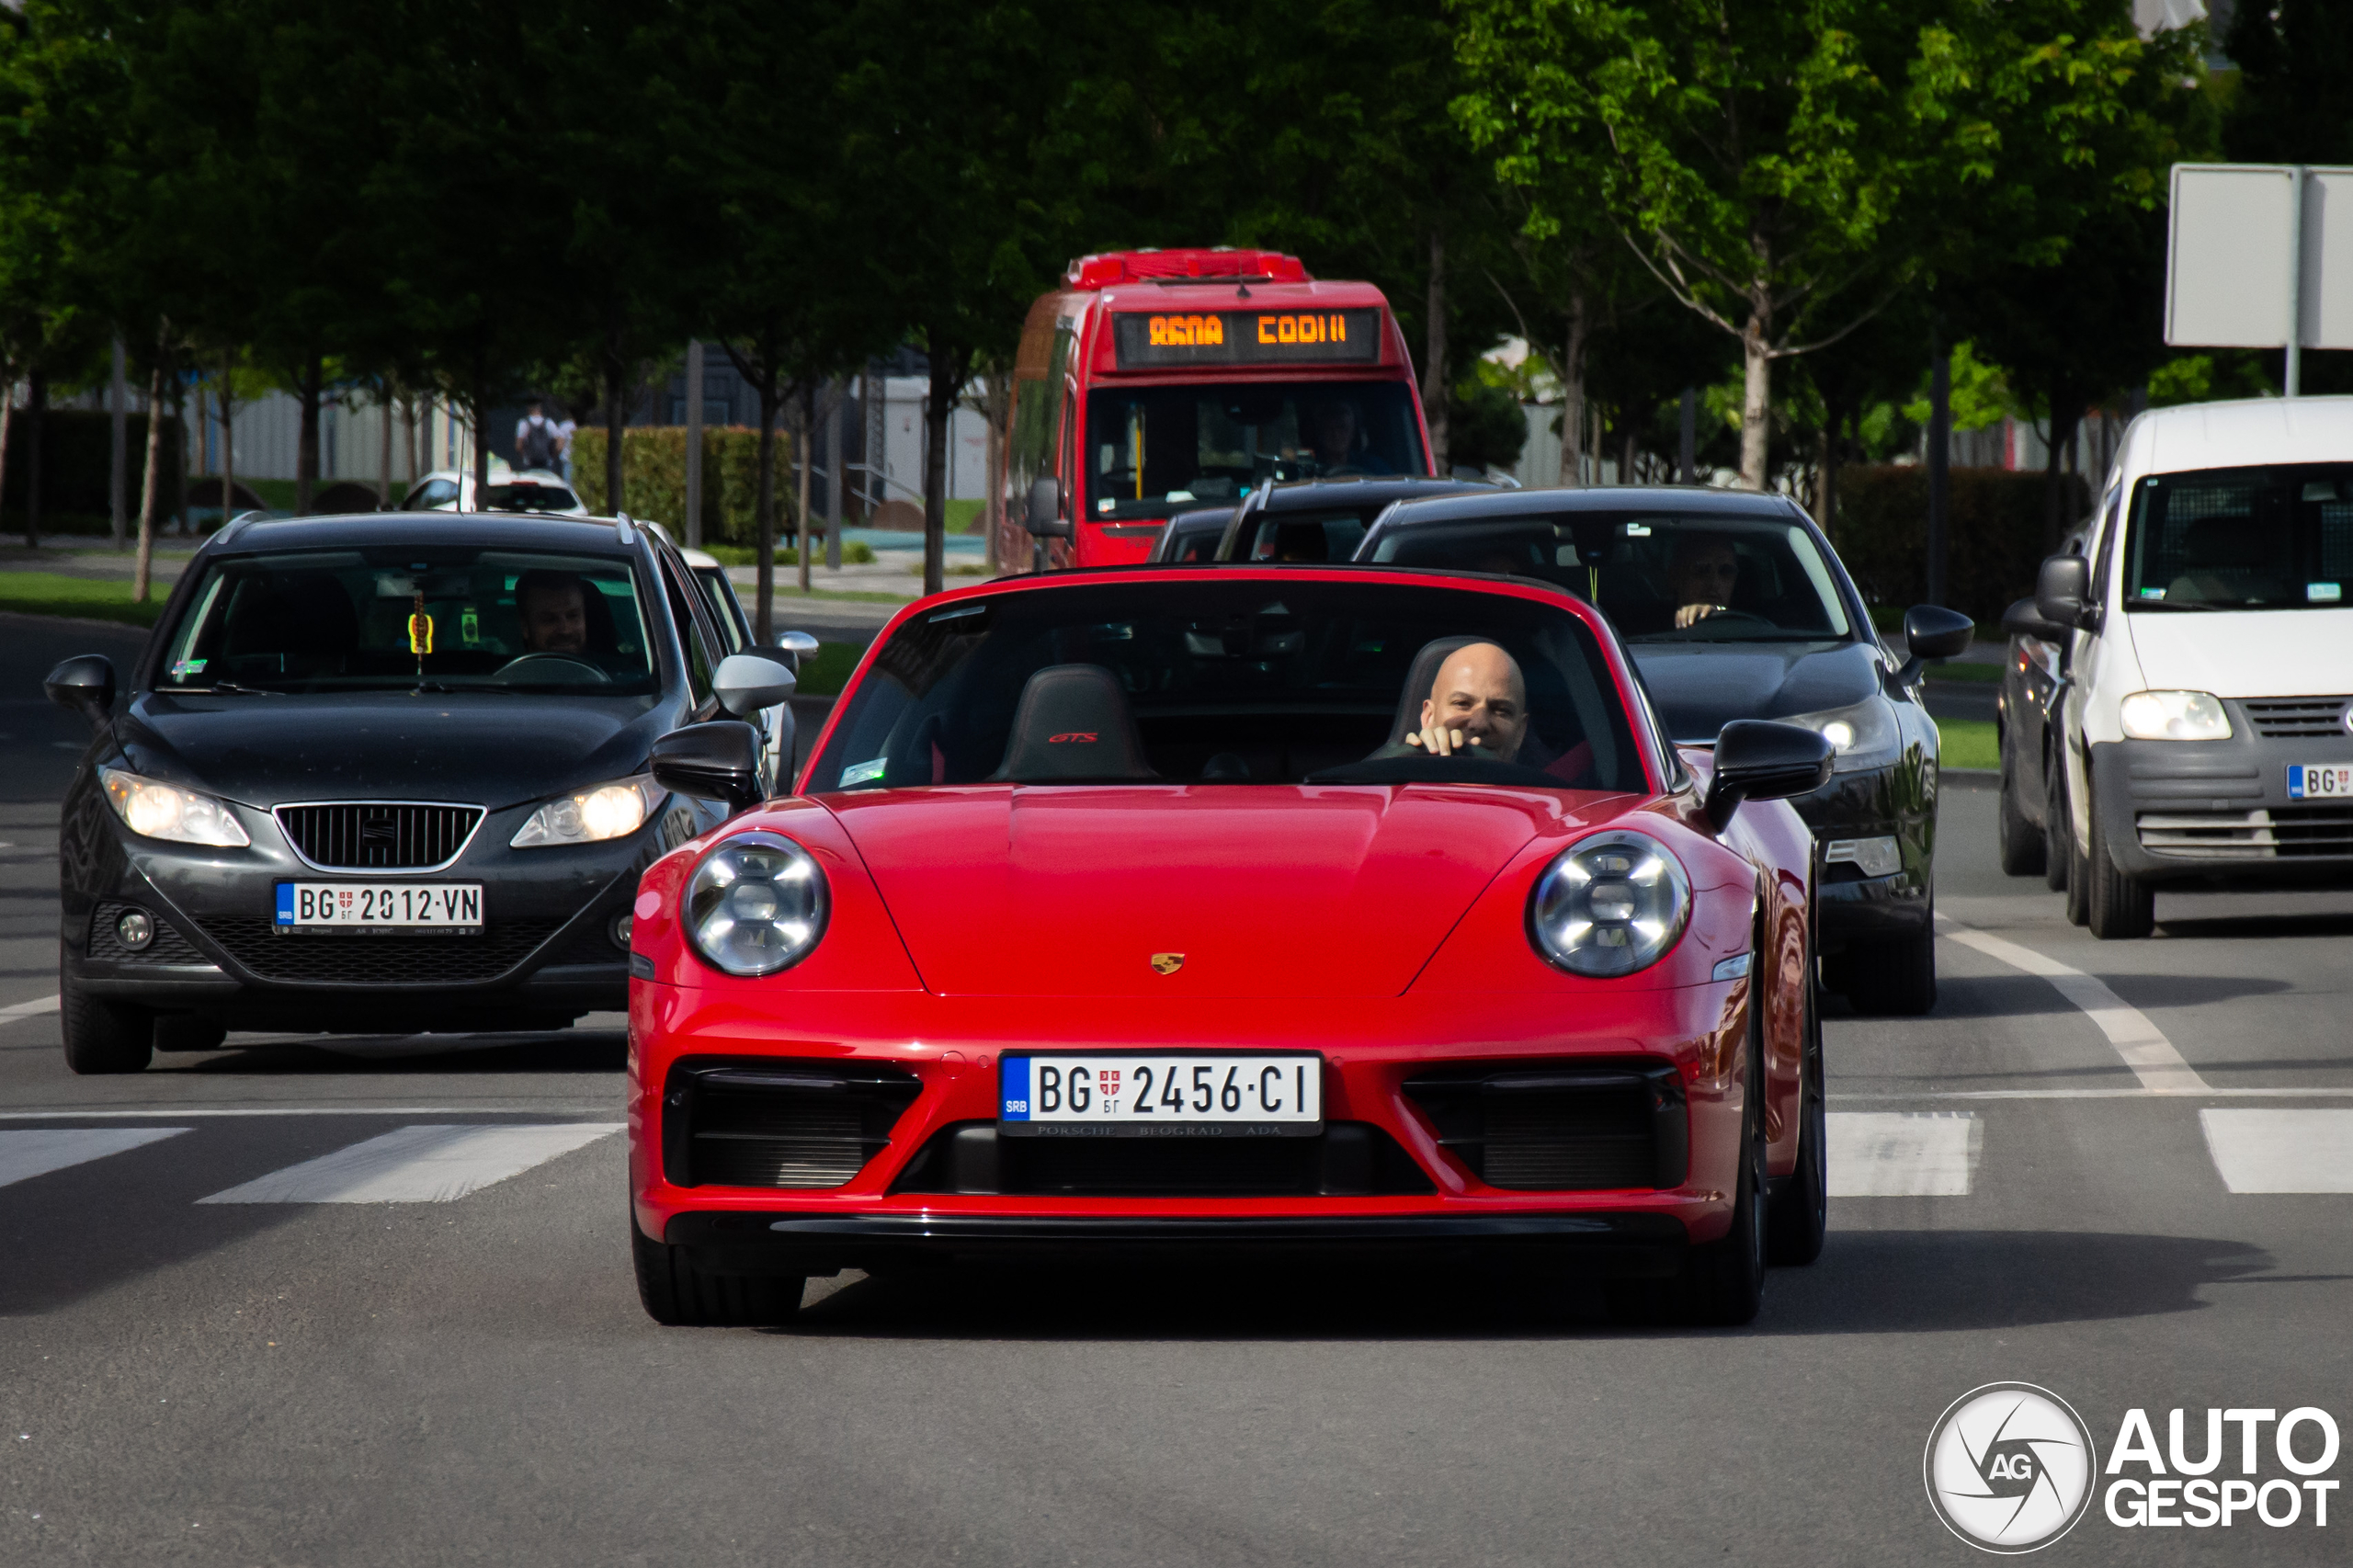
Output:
x=510 y=490
x=776 y=723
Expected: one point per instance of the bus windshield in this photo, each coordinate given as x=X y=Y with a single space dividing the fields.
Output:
x=1152 y=448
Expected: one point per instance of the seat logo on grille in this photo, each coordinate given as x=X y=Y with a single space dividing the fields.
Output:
x=1167 y=963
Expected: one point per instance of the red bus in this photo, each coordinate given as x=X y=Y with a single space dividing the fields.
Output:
x=1152 y=382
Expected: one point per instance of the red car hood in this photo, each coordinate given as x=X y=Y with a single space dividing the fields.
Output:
x=1264 y=890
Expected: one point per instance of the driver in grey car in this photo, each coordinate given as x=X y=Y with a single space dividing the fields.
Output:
x=1701 y=576
x=554 y=612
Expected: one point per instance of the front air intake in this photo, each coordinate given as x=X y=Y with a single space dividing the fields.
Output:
x=778 y=1124
x=1561 y=1128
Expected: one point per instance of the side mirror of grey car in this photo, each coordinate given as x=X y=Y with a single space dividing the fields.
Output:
x=85 y=684
x=1759 y=760
x=748 y=684
x=1932 y=631
x=717 y=761
x=2061 y=592
x=1044 y=516
x=2023 y=619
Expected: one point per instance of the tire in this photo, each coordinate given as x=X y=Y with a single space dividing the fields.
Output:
x=2116 y=907
x=678 y=1295
x=1800 y=1213
x=1895 y=979
x=2017 y=841
x=2079 y=875
x=102 y=1036
x=2058 y=832
x=1722 y=1283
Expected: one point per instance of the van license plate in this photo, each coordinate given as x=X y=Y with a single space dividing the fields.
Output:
x=454 y=908
x=2319 y=781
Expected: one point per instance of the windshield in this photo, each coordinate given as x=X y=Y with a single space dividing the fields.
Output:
x=404 y=616
x=1154 y=446
x=1231 y=683
x=2242 y=538
x=1658 y=577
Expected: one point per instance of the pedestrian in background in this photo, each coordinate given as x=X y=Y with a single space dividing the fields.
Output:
x=539 y=442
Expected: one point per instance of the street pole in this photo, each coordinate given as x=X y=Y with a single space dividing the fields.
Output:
x=694 y=441
x=2293 y=377
x=116 y=484
x=838 y=390
x=1687 y=451
x=1939 y=457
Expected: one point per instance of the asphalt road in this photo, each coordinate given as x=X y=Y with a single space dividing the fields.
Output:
x=454 y=1372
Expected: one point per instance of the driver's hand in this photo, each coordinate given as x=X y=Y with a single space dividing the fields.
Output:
x=1439 y=740
x=1691 y=615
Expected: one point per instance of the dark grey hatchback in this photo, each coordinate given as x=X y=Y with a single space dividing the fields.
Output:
x=1735 y=607
x=383 y=773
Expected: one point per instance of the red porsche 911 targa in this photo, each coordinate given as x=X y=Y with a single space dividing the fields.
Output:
x=1129 y=911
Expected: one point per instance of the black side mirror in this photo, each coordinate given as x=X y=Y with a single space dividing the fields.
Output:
x=717 y=761
x=2062 y=589
x=2023 y=619
x=1759 y=760
x=1044 y=516
x=85 y=684
x=1932 y=631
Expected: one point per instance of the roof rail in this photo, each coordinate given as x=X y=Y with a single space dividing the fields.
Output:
x=624 y=530
x=232 y=527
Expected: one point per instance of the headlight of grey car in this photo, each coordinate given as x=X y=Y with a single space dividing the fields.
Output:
x=1609 y=905
x=591 y=815
x=156 y=809
x=757 y=903
x=1865 y=734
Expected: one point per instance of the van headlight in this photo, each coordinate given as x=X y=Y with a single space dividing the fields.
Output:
x=591 y=815
x=1609 y=905
x=757 y=903
x=1862 y=735
x=2174 y=716
x=155 y=809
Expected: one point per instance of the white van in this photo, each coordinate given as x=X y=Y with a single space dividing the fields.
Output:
x=2209 y=695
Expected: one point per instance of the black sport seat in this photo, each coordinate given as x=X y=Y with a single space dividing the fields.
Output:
x=1073 y=725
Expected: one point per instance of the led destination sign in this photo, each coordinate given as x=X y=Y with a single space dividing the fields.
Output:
x=1246 y=337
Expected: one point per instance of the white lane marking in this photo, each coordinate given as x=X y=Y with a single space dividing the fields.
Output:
x=38 y=1151
x=2145 y=1048
x=1884 y=1153
x=10 y=1015
x=2282 y=1151
x=2135 y=1093
x=417 y=1164
x=176 y=1112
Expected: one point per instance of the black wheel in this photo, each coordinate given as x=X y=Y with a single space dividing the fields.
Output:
x=2017 y=841
x=1722 y=1283
x=102 y=1036
x=1897 y=978
x=2058 y=830
x=1800 y=1213
x=678 y=1294
x=2079 y=872
x=2116 y=907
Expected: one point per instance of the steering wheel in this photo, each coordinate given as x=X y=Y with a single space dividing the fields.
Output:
x=1721 y=616
x=554 y=669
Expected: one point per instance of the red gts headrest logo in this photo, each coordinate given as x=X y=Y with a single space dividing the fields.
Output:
x=1085 y=737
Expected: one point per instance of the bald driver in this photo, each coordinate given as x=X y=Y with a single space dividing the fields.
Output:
x=1477 y=705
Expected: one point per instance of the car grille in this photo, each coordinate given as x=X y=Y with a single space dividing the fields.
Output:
x=1568 y=1127
x=169 y=946
x=378 y=835
x=257 y=944
x=2297 y=717
x=1347 y=1159
x=2278 y=833
x=779 y=1124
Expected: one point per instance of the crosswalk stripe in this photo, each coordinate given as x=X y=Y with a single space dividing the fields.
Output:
x=418 y=1164
x=2282 y=1151
x=1894 y=1153
x=39 y=1150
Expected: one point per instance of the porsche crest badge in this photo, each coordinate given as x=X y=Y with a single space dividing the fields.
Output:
x=1167 y=963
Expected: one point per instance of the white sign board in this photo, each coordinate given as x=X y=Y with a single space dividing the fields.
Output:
x=2236 y=267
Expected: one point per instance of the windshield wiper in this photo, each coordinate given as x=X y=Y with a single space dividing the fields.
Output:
x=230 y=689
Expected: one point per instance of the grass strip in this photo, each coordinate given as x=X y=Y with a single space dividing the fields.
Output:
x=1969 y=742
x=88 y=599
x=1974 y=673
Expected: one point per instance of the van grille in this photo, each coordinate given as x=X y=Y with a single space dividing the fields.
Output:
x=378 y=835
x=2297 y=717
x=2278 y=833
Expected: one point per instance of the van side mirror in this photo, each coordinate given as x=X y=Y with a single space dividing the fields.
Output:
x=1044 y=516
x=85 y=684
x=2061 y=592
x=2023 y=619
x=1759 y=760
x=749 y=684
x=717 y=761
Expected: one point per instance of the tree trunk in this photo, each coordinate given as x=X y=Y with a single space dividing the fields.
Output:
x=1940 y=459
x=1572 y=394
x=476 y=416
x=615 y=423
x=948 y=367
x=1756 y=399
x=999 y=403
x=117 y=457
x=800 y=464
x=311 y=385
x=37 y=408
x=140 y=577
x=7 y=416
x=764 y=515
x=2054 y=478
x=836 y=481
x=228 y=444
x=1825 y=487
x=1434 y=399
x=384 y=469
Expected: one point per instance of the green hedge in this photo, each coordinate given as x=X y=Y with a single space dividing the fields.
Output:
x=653 y=478
x=77 y=449
x=1995 y=535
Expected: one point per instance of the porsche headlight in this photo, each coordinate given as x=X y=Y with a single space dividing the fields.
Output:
x=757 y=903
x=2174 y=716
x=1863 y=735
x=1614 y=904
x=168 y=811
x=591 y=815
